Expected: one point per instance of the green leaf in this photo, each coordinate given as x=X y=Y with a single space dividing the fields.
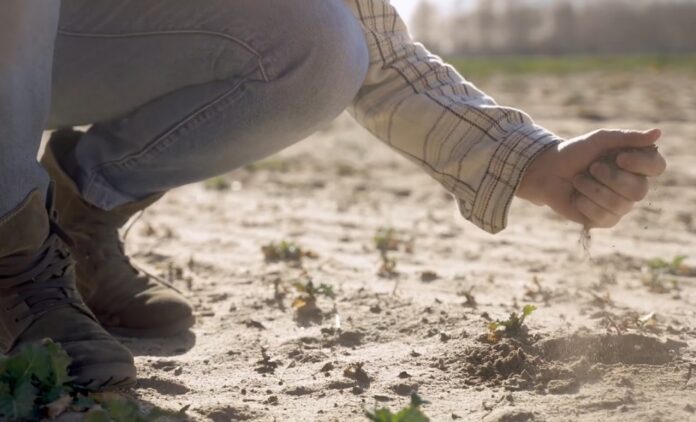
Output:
x=381 y=415
x=512 y=323
x=34 y=377
x=16 y=367
x=528 y=310
x=59 y=361
x=410 y=413
x=511 y=326
x=678 y=262
x=326 y=290
x=7 y=406
x=658 y=264
x=20 y=404
x=37 y=363
x=122 y=410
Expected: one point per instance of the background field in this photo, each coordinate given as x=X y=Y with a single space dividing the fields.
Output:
x=419 y=329
x=481 y=67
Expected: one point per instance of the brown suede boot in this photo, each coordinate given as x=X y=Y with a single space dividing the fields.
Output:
x=126 y=300
x=39 y=299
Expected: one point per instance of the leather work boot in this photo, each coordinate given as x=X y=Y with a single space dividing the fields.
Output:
x=126 y=300
x=39 y=299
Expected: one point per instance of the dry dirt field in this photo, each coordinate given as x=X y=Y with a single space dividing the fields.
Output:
x=612 y=339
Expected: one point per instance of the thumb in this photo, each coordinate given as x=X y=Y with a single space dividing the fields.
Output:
x=614 y=139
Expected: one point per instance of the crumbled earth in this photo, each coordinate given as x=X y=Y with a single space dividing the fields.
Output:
x=609 y=342
x=555 y=365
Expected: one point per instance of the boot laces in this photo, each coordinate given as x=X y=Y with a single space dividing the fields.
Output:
x=47 y=284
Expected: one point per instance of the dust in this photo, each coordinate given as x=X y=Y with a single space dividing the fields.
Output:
x=630 y=349
x=558 y=365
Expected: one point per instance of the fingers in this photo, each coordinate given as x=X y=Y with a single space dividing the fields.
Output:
x=633 y=187
x=615 y=138
x=608 y=193
x=601 y=195
x=647 y=161
x=597 y=217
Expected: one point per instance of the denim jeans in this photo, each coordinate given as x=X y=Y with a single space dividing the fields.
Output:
x=176 y=91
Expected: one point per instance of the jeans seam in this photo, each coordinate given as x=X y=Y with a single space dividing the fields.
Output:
x=99 y=186
x=99 y=170
x=223 y=35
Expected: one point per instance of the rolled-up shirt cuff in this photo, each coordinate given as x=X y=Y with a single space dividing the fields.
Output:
x=509 y=162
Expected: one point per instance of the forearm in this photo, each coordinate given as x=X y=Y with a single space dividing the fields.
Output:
x=424 y=109
x=27 y=34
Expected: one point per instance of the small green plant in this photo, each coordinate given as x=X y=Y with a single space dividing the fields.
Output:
x=285 y=251
x=657 y=271
x=35 y=384
x=411 y=413
x=33 y=379
x=305 y=304
x=309 y=291
x=512 y=327
x=386 y=241
x=656 y=282
x=219 y=184
x=308 y=294
x=356 y=371
x=674 y=267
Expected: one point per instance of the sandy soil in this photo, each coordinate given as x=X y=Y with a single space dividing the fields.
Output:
x=605 y=344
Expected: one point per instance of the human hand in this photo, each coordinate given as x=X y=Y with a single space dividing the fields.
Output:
x=597 y=178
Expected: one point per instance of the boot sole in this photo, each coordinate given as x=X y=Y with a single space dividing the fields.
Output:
x=168 y=331
x=102 y=376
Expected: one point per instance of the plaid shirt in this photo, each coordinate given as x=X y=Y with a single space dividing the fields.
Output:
x=428 y=112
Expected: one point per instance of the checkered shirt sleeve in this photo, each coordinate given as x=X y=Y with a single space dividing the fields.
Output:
x=425 y=110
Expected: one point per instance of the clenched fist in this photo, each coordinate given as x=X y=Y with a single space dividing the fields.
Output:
x=597 y=178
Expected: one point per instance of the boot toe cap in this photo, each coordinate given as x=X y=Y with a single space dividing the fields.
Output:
x=101 y=362
x=153 y=314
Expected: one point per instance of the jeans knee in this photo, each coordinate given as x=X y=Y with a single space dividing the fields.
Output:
x=327 y=55
x=339 y=45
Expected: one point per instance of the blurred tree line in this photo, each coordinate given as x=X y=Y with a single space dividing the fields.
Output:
x=493 y=27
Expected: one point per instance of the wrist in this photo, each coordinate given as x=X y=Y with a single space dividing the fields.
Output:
x=535 y=180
